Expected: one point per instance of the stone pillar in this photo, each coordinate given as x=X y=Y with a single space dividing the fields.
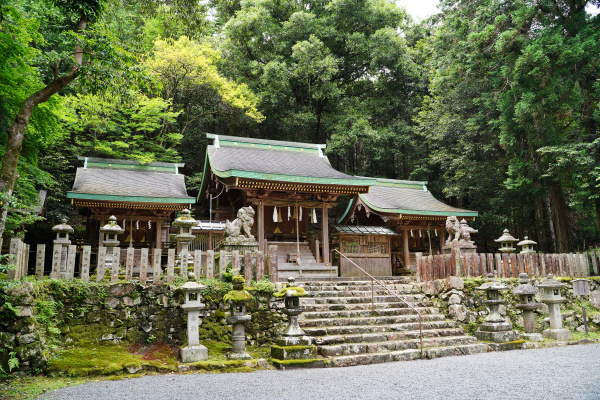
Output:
x=210 y=264
x=39 y=261
x=61 y=245
x=325 y=233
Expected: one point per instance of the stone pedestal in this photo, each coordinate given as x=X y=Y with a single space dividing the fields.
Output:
x=557 y=334
x=532 y=337
x=193 y=353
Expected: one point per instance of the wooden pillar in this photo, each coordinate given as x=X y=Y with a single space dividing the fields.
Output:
x=261 y=226
x=406 y=249
x=442 y=241
x=101 y=235
x=157 y=234
x=325 y=232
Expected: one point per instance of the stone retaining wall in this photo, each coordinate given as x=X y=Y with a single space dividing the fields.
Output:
x=461 y=302
x=35 y=319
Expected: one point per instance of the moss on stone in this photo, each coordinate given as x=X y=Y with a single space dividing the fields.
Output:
x=294 y=291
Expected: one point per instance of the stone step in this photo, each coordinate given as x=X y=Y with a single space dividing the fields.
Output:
x=362 y=329
x=383 y=320
x=309 y=306
x=411 y=299
x=406 y=355
x=307 y=267
x=364 y=287
x=364 y=281
x=385 y=336
x=366 y=313
x=347 y=349
x=357 y=293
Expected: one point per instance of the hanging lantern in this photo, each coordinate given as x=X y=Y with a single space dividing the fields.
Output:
x=314 y=216
x=275 y=214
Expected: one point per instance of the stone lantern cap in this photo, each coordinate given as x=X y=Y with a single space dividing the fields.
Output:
x=193 y=287
x=290 y=290
x=551 y=283
x=63 y=228
x=525 y=288
x=492 y=285
x=526 y=242
x=185 y=220
x=506 y=237
x=111 y=227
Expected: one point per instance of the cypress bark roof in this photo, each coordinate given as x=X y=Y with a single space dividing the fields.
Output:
x=275 y=161
x=408 y=197
x=130 y=181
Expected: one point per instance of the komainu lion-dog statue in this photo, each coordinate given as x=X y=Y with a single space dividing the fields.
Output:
x=241 y=226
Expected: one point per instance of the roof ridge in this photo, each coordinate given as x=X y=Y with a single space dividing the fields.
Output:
x=278 y=143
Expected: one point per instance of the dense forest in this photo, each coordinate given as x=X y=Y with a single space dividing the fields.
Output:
x=496 y=103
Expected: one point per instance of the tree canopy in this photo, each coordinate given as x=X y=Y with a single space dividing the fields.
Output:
x=495 y=103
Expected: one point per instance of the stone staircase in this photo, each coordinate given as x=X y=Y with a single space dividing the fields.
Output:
x=347 y=331
x=308 y=268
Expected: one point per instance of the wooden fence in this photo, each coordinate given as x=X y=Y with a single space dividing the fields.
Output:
x=145 y=264
x=575 y=265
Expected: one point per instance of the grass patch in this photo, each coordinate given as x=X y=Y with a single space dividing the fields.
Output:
x=29 y=387
x=110 y=360
x=581 y=335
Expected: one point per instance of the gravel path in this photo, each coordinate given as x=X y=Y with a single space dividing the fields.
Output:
x=571 y=372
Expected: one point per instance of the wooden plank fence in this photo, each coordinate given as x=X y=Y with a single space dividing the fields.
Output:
x=142 y=264
x=574 y=265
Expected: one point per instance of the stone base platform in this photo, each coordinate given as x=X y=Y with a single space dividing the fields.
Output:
x=193 y=353
x=557 y=334
x=295 y=364
x=497 y=332
x=532 y=337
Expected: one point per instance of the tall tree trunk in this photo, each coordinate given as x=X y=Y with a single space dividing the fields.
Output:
x=550 y=218
x=561 y=217
x=16 y=130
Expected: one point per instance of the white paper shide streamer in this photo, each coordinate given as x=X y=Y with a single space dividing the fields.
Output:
x=275 y=214
x=314 y=216
x=300 y=217
x=289 y=213
x=137 y=225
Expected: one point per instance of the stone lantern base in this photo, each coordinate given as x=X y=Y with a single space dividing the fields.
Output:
x=194 y=353
x=498 y=332
x=295 y=352
x=557 y=334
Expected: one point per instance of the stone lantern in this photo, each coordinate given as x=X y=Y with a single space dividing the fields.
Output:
x=238 y=298
x=494 y=328
x=551 y=296
x=194 y=351
x=525 y=293
x=61 y=248
x=527 y=246
x=507 y=242
x=111 y=230
x=185 y=222
x=293 y=348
